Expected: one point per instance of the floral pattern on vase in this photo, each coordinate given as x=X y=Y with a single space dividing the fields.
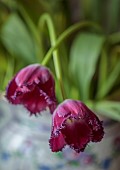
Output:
x=24 y=144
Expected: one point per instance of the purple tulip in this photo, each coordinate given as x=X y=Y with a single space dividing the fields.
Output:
x=33 y=87
x=74 y=124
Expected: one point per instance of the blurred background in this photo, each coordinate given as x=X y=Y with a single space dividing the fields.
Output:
x=90 y=61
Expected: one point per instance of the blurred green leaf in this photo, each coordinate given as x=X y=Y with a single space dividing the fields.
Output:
x=84 y=55
x=103 y=68
x=113 y=14
x=92 y=9
x=9 y=72
x=3 y=62
x=17 y=40
x=110 y=109
x=110 y=81
x=3 y=66
x=115 y=95
x=114 y=38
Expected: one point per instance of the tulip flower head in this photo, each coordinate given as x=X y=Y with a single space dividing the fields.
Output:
x=74 y=124
x=33 y=87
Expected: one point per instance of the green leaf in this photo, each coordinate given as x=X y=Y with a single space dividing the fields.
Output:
x=3 y=66
x=103 y=68
x=113 y=15
x=17 y=39
x=9 y=72
x=114 y=38
x=109 y=83
x=108 y=108
x=84 y=55
x=92 y=9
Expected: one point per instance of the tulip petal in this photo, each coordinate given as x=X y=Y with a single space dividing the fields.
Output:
x=11 y=90
x=57 y=142
x=81 y=132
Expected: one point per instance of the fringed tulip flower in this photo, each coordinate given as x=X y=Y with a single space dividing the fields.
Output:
x=33 y=87
x=74 y=124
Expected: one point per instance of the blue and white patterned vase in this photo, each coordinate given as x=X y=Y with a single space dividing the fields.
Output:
x=24 y=144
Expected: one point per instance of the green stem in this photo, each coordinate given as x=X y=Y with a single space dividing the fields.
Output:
x=66 y=34
x=45 y=18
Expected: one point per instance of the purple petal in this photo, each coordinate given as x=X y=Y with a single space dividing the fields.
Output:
x=57 y=142
x=76 y=134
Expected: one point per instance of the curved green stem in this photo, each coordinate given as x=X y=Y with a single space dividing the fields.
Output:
x=67 y=33
x=45 y=18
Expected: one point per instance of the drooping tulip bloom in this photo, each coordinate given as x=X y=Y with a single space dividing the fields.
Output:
x=74 y=124
x=33 y=87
